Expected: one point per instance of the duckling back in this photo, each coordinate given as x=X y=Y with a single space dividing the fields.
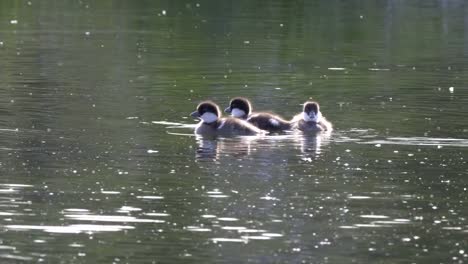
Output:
x=269 y=122
x=233 y=126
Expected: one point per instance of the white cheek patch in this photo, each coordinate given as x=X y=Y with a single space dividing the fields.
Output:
x=312 y=117
x=236 y=112
x=209 y=117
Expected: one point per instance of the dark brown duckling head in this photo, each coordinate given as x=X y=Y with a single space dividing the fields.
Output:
x=239 y=107
x=207 y=111
x=311 y=111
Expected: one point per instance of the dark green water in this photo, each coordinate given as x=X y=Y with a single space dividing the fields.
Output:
x=90 y=172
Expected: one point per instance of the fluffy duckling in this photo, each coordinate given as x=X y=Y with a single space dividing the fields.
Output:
x=311 y=119
x=240 y=107
x=212 y=124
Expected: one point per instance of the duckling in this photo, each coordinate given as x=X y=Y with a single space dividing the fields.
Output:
x=241 y=108
x=311 y=119
x=213 y=124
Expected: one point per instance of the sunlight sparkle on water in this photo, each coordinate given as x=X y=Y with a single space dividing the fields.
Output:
x=150 y=197
x=197 y=229
x=374 y=216
x=156 y=214
x=74 y=229
x=109 y=192
x=256 y=237
x=251 y=231
x=222 y=239
x=127 y=209
x=228 y=219
x=359 y=197
x=269 y=198
x=233 y=227
x=208 y=216
x=112 y=218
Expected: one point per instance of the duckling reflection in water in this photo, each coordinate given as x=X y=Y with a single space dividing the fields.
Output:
x=311 y=145
x=212 y=124
x=207 y=149
x=212 y=149
x=241 y=108
x=311 y=119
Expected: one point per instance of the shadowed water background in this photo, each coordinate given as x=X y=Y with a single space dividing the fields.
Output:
x=99 y=163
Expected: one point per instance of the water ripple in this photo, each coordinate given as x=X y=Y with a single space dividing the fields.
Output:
x=70 y=229
x=419 y=141
x=111 y=218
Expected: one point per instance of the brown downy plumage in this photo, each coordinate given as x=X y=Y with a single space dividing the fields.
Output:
x=213 y=124
x=241 y=108
x=311 y=119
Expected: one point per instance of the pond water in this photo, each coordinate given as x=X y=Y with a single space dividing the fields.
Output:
x=99 y=163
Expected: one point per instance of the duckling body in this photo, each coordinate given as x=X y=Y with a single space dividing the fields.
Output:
x=310 y=126
x=227 y=127
x=269 y=122
x=212 y=124
x=311 y=119
x=241 y=108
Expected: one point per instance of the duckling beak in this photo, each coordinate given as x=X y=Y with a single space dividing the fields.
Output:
x=195 y=114
x=228 y=110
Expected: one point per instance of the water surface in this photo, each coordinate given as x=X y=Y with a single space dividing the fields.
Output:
x=99 y=163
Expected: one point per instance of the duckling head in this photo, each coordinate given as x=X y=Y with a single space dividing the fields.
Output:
x=311 y=112
x=207 y=111
x=239 y=107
